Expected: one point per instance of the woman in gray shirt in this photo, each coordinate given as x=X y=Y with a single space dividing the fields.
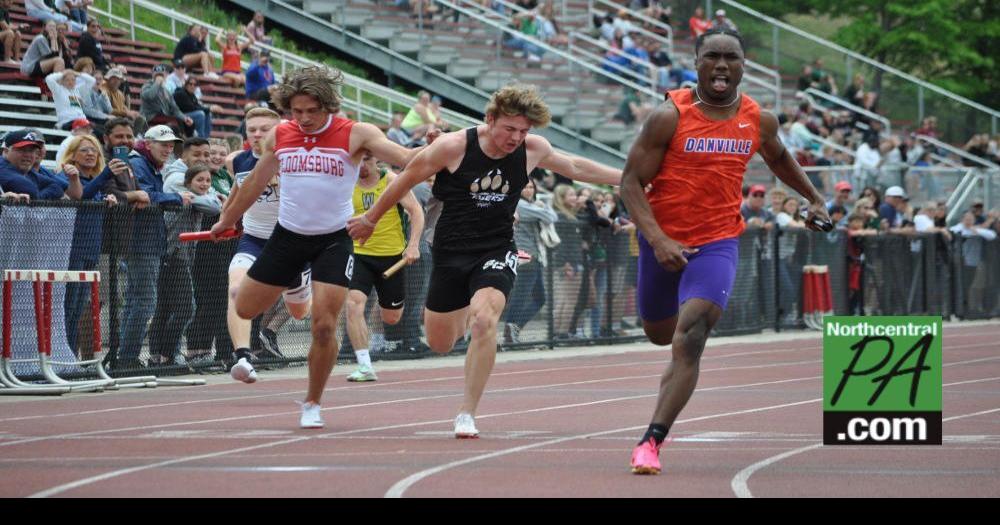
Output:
x=528 y=295
x=43 y=55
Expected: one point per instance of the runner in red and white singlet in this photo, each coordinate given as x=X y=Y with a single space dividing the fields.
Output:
x=317 y=156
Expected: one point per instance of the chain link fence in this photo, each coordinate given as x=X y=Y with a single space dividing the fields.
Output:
x=164 y=303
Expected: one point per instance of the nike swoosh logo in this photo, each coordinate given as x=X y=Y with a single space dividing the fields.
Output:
x=397 y=304
x=744 y=126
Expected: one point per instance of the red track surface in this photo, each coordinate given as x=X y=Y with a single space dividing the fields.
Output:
x=558 y=426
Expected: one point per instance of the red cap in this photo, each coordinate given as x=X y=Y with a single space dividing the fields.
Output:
x=843 y=185
x=758 y=188
x=80 y=123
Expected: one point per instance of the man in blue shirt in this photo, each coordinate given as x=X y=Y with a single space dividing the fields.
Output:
x=889 y=210
x=259 y=76
x=142 y=259
x=22 y=150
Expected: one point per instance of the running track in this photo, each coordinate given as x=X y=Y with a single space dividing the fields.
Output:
x=554 y=423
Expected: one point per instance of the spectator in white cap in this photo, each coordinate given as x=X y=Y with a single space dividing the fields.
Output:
x=895 y=201
x=721 y=21
x=143 y=258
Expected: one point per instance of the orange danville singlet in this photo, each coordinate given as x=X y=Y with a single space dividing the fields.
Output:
x=696 y=195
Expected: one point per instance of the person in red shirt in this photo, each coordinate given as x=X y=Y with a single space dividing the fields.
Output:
x=693 y=151
x=698 y=23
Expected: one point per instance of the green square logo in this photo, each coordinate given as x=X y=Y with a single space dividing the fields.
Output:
x=882 y=381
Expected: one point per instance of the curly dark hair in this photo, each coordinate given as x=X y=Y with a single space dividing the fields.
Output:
x=321 y=83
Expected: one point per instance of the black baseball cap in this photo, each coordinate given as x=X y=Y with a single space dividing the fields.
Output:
x=23 y=137
x=179 y=63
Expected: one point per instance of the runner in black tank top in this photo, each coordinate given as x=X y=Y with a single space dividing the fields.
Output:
x=480 y=174
x=479 y=200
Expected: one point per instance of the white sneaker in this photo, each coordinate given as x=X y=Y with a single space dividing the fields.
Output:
x=363 y=374
x=311 y=417
x=213 y=75
x=465 y=426
x=243 y=371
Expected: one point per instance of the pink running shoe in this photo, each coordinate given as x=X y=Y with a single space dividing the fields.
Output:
x=646 y=458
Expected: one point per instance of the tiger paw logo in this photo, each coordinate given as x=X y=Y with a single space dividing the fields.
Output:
x=493 y=187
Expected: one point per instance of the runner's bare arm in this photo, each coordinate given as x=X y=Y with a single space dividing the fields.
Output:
x=642 y=165
x=253 y=186
x=416 y=214
x=372 y=139
x=784 y=166
x=572 y=166
x=427 y=163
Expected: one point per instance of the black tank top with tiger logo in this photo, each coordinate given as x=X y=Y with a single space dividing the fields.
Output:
x=479 y=199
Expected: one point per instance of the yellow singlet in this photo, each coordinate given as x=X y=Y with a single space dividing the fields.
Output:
x=388 y=236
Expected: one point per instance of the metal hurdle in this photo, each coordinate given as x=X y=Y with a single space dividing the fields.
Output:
x=42 y=286
x=817 y=295
x=11 y=384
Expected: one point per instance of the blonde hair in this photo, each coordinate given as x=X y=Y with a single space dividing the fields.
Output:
x=74 y=145
x=83 y=63
x=519 y=100
x=219 y=142
x=321 y=83
x=256 y=112
x=560 y=196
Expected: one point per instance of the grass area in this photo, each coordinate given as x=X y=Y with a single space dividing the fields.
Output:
x=211 y=14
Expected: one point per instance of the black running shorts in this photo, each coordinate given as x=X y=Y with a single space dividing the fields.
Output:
x=286 y=255
x=456 y=277
x=368 y=274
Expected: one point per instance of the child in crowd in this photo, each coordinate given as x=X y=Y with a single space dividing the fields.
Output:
x=175 y=296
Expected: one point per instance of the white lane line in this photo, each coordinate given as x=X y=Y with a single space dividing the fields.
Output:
x=386 y=384
x=984 y=412
x=973 y=381
x=398 y=489
x=364 y=405
x=76 y=484
x=433 y=380
x=739 y=482
x=102 y=477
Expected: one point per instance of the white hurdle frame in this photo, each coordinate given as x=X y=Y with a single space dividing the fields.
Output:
x=11 y=384
x=42 y=285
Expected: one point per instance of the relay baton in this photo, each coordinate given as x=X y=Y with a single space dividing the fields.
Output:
x=207 y=235
x=822 y=224
x=394 y=268
x=522 y=257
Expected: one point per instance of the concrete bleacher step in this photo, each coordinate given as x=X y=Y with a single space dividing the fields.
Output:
x=28 y=119
x=610 y=132
x=407 y=44
x=52 y=136
x=438 y=57
x=379 y=33
x=466 y=69
x=584 y=120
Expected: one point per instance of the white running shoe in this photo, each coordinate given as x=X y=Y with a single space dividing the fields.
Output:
x=465 y=426
x=243 y=371
x=311 y=417
x=363 y=374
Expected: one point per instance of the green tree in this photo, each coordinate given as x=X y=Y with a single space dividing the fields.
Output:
x=951 y=43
